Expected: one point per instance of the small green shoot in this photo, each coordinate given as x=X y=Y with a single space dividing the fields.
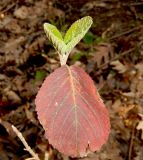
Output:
x=74 y=34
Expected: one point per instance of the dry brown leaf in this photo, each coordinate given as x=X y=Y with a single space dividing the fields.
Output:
x=30 y=115
x=5 y=21
x=116 y=105
x=8 y=128
x=139 y=67
x=12 y=26
x=3 y=153
x=16 y=117
x=12 y=96
x=136 y=86
x=31 y=49
x=13 y=44
x=140 y=127
x=90 y=5
x=139 y=153
x=118 y=66
x=103 y=53
x=124 y=110
x=21 y=13
x=2 y=60
x=129 y=94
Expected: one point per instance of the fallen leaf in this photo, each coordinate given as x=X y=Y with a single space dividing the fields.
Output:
x=30 y=115
x=129 y=94
x=21 y=13
x=139 y=67
x=12 y=96
x=13 y=44
x=118 y=66
x=103 y=53
x=124 y=110
x=140 y=127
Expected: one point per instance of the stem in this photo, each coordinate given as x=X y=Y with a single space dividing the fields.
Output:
x=28 y=148
x=63 y=58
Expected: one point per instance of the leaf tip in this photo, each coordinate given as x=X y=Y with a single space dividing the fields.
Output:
x=45 y=25
x=89 y=19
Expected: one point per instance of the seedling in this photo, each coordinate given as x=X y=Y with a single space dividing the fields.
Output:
x=68 y=105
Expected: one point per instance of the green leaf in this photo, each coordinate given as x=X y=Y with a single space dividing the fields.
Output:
x=76 y=32
x=54 y=36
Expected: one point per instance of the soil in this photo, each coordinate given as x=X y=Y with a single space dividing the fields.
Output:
x=111 y=53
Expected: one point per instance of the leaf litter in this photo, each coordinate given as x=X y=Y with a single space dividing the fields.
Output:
x=24 y=50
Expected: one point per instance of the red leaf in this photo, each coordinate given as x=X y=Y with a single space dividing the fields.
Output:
x=72 y=113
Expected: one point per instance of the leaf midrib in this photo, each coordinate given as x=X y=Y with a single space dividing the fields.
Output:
x=75 y=105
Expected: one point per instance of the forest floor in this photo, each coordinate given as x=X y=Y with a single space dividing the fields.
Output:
x=111 y=53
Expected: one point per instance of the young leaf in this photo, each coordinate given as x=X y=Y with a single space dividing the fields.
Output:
x=72 y=113
x=76 y=32
x=55 y=37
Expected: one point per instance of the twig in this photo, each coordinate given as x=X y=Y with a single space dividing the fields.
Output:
x=133 y=4
x=116 y=57
x=131 y=143
x=46 y=156
x=27 y=147
x=125 y=32
x=9 y=7
x=30 y=158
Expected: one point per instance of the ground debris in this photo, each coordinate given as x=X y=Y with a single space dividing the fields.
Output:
x=114 y=60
